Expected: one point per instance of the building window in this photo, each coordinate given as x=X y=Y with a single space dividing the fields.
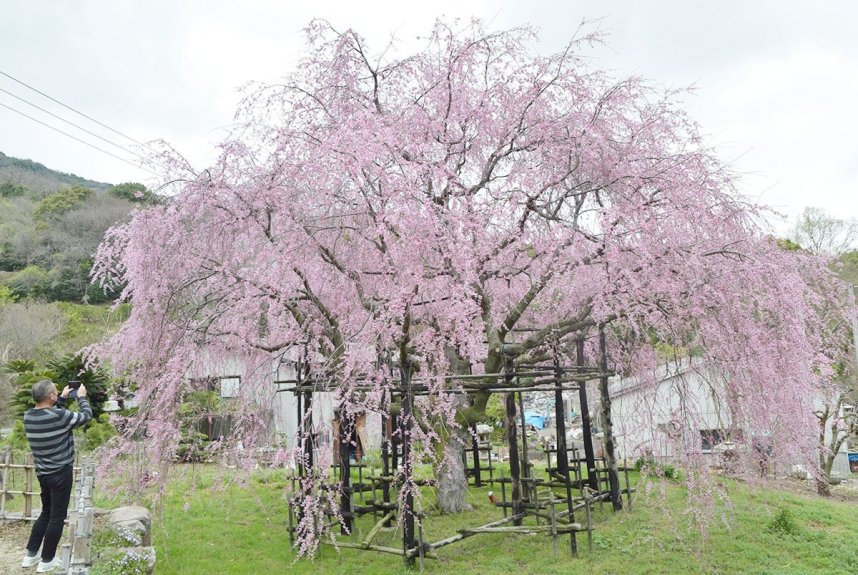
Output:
x=711 y=437
x=225 y=386
x=229 y=386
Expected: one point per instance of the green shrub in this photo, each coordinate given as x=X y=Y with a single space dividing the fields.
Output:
x=650 y=465
x=32 y=282
x=783 y=524
x=17 y=440
x=98 y=432
x=7 y=296
x=192 y=447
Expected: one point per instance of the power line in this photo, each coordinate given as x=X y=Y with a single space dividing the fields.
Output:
x=121 y=147
x=78 y=139
x=91 y=119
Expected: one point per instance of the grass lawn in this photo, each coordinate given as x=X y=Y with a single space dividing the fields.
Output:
x=209 y=523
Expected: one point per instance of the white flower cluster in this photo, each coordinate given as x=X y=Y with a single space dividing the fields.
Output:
x=128 y=536
x=131 y=563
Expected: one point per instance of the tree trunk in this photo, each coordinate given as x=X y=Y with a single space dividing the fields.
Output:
x=452 y=482
x=828 y=453
x=607 y=422
x=822 y=487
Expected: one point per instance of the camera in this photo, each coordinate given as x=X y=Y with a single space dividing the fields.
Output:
x=74 y=384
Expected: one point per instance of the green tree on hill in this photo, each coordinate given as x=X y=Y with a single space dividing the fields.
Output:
x=10 y=190
x=54 y=206
x=133 y=192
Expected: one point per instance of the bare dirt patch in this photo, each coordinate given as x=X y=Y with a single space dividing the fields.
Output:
x=13 y=538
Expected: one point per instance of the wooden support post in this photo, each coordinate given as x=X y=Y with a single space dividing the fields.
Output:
x=301 y=439
x=299 y=435
x=503 y=493
x=394 y=442
x=420 y=549
x=553 y=521
x=475 y=450
x=407 y=480
x=628 y=486
x=589 y=454
x=512 y=441
x=577 y=467
x=309 y=438
x=345 y=475
x=610 y=454
x=562 y=452
x=386 y=430
x=525 y=464
x=589 y=515
x=292 y=515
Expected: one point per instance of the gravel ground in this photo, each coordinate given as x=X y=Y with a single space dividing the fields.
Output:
x=13 y=537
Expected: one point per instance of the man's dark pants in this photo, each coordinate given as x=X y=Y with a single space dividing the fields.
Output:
x=56 y=492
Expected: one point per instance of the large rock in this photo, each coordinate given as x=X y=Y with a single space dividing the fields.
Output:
x=134 y=519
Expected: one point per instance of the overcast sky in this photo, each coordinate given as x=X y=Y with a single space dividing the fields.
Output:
x=777 y=82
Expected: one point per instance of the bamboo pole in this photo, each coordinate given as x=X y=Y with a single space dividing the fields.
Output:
x=463 y=533
x=380 y=548
x=28 y=486
x=6 y=457
x=367 y=542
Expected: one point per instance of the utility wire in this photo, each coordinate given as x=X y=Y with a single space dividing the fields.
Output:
x=121 y=147
x=91 y=119
x=78 y=139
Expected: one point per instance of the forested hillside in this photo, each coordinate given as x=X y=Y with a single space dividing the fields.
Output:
x=38 y=179
x=50 y=226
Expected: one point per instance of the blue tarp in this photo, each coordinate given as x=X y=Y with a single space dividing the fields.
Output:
x=534 y=419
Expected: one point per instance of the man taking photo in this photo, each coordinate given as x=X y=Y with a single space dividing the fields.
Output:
x=49 y=430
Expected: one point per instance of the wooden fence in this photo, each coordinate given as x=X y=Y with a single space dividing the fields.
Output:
x=76 y=554
x=19 y=480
